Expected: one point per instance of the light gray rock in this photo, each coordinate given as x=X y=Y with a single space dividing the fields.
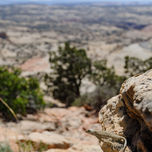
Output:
x=112 y=118
x=130 y=113
x=136 y=93
x=52 y=140
x=28 y=126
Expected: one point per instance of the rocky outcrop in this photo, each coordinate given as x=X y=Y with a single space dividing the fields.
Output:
x=130 y=113
x=113 y=120
x=136 y=93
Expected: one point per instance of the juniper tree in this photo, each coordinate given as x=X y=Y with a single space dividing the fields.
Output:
x=70 y=66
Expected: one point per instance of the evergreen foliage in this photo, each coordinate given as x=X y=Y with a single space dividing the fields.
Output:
x=105 y=76
x=70 y=65
x=107 y=83
x=19 y=93
x=5 y=147
x=134 y=66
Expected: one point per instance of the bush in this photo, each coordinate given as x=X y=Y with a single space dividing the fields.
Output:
x=134 y=66
x=70 y=65
x=104 y=76
x=97 y=98
x=5 y=147
x=29 y=146
x=107 y=83
x=19 y=93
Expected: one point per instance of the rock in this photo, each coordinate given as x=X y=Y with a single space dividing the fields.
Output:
x=136 y=93
x=79 y=148
x=27 y=126
x=111 y=116
x=57 y=150
x=51 y=100
x=116 y=58
x=8 y=135
x=68 y=119
x=112 y=119
x=130 y=113
x=86 y=148
x=35 y=65
x=52 y=140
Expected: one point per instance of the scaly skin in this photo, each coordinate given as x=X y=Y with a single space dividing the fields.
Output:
x=104 y=135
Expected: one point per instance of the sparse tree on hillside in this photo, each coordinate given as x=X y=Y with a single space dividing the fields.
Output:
x=105 y=76
x=107 y=81
x=134 y=66
x=70 y=65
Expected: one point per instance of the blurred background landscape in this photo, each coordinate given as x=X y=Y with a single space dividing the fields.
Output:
x=61 y=61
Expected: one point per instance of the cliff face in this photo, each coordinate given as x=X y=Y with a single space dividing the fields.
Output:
x=130 y=113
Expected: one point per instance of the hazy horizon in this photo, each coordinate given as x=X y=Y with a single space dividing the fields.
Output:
x=69 y=1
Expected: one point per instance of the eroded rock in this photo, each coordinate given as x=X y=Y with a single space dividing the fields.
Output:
x=136 y=93
x=130 y=113
x=112 y=119
x=52 y=140
x=27 y=126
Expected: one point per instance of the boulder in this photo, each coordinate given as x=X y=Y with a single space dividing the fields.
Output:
x=51 y=139
x=79 y=148
x=27 y=126
x=136 y=94
x=113 y=120
x=130 y=113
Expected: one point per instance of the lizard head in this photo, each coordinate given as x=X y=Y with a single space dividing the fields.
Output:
x=95 y=133
x=89 y=131
x=92 y=132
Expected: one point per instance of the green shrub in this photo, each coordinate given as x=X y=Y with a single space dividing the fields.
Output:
x=105 y=76
x=96 y=99
x=82 y=100
x=70 y=65
x=29 y=146
x=5 y=147
x=21 y=94
x=107 y=83
x=134 y=66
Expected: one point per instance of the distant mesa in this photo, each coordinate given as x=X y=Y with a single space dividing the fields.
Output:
x=3 y=35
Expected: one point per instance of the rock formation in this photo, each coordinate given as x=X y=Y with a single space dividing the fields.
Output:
x=130 y=114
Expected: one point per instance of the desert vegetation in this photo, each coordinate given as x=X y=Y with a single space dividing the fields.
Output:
x=70 y=66
x=23 y=95
x=134 y=66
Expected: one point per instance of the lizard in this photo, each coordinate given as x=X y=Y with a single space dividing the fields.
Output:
x=104 y=135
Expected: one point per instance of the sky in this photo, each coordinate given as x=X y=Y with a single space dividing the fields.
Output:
x=68 y=1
